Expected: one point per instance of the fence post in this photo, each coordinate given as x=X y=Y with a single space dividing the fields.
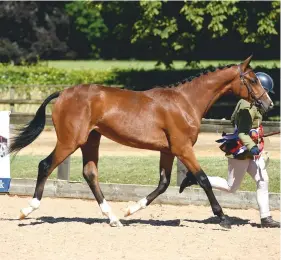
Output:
x=181 y=172
x=12 y=96
x=63 y=169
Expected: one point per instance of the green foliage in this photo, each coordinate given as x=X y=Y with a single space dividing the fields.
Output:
x=48 y=77
x=220 y=12
x=181 y=26
x=150 y=65
x=259 y=25
x=147 y=30
x=88 y=20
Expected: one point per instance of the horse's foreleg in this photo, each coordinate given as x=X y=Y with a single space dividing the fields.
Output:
x=189 y=160
x=90 y=151
x=166 y=164
x=45 y=168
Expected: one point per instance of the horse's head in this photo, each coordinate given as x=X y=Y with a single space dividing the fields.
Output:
x=247 y=86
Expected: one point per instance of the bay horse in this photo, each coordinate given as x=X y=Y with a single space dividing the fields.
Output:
x=161 y=119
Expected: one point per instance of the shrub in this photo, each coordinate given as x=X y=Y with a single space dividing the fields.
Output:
x=29 y=78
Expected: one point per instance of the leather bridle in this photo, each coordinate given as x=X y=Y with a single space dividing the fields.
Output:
x=256 y=100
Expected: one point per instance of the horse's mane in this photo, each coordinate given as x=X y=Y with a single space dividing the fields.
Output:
x=203 y=72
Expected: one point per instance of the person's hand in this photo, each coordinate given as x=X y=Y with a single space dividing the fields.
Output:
x=255 y=150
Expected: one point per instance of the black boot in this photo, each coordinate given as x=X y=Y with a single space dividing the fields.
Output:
x=268 y=222
x=189 y=180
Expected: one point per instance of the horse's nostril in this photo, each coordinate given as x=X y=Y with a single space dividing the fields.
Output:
x=271 y=105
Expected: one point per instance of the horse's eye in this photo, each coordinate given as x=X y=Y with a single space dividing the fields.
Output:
x=253 y=81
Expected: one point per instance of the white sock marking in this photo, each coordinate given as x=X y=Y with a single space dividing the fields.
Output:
x=141 y=204
x=34 y=204
x=106 y=210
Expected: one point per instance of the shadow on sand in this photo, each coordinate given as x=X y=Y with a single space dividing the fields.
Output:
x=235 y=221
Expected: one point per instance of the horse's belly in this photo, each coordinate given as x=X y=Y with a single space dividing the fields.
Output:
x=149 y=140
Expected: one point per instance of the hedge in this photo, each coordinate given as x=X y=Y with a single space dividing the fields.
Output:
x=28 y=78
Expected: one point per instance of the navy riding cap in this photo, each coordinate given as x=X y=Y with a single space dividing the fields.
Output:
x=266 y=81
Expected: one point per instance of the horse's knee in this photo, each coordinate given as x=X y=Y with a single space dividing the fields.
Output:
x=89 y=172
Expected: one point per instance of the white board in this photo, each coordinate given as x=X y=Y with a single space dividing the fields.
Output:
x=5 y=176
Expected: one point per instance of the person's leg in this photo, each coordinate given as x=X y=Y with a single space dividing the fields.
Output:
x=236 y=173
x=258 y=172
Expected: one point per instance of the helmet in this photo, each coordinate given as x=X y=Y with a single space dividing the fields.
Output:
x=266 y=81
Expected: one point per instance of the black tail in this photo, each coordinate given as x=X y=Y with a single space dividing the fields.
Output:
x=33 y=129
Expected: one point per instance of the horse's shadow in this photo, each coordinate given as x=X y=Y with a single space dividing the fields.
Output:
x=235 y=221
x=89 y=221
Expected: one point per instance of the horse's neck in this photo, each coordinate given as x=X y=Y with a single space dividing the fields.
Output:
x=204 y=91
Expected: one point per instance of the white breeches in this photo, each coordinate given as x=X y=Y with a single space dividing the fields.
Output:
x=236 y=172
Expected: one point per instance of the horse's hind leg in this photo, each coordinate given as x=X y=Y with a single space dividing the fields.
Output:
x=90 y=151
x=45 y=168
x=166 y=164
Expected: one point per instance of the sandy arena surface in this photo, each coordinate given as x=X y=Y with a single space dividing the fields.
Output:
x=75 y=229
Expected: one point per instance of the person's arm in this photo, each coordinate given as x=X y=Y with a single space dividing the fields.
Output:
x=233 y=116
x=245 y=121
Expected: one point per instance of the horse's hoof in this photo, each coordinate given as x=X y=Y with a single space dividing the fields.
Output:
x=225 y=223
x=22 y=216
x=188 y=181
x=116 y=223
x=127 y=213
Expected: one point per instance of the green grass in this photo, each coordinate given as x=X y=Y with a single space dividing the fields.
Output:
x=145 y=65
x=274 y=118
x=139 y=170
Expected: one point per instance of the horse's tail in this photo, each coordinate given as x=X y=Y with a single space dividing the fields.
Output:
x=33 y=129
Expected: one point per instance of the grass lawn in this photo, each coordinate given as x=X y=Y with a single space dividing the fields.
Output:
x=139 y=170
x=145 y=65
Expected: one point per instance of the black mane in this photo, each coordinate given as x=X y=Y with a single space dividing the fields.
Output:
x=203 y=72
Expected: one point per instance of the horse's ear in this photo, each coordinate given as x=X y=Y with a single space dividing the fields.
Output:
x=246 y=63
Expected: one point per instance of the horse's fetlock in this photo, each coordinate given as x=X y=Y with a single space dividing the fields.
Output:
x=217 y=210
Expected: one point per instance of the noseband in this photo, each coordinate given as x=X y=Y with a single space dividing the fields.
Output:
x=256 y=100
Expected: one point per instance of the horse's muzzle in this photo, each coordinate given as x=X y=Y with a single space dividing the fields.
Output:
x=264 y=108
x=271 y=106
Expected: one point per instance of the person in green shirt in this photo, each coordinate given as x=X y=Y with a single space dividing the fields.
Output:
x=244 y=149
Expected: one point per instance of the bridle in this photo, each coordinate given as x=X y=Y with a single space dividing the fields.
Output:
x=256 y=100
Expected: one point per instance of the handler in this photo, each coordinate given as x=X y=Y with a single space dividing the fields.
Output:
x=244 y=149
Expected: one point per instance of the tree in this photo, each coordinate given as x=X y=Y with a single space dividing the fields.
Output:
x=32 y=30
x=88 y=25
x=176 y=27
